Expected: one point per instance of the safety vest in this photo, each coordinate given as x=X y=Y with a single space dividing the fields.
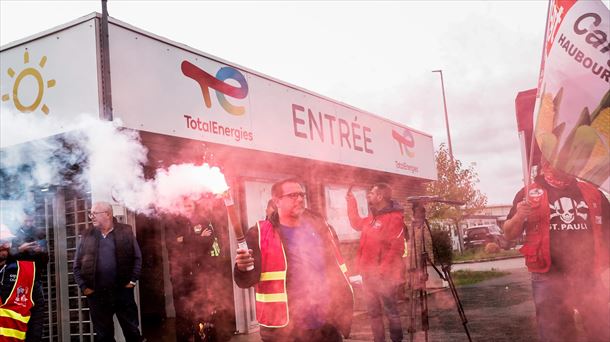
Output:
x=15 y=311
x=271 y=296
x=215 y=250
x=537 y=247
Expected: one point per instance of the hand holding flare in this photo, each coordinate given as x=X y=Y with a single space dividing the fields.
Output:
x=244 y=259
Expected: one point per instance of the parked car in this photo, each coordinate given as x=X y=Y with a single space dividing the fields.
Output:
x=479 y=236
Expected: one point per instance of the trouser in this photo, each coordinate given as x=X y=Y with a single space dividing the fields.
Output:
x=202 y=296
x=556 y=296
x=104 y=304
x=185 y=320
x=378 y=296
x=326 y=333
x=36 y=322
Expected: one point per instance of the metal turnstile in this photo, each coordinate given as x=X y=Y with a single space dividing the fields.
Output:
x=63 y=215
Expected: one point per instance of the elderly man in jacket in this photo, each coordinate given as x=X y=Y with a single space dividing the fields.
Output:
x=302 y=291
x=106 y=268
x=380 y=254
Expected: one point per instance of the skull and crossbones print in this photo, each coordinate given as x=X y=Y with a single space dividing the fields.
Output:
x=567 y=209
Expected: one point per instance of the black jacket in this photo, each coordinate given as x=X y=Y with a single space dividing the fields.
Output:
x=128 y=256
x=30 y=234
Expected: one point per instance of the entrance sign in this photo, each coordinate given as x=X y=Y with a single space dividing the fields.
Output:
x=163 y=87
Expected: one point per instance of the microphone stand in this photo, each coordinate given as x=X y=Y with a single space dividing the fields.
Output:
x=418 y=270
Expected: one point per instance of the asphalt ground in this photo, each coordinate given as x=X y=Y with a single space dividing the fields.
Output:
x=499 y=309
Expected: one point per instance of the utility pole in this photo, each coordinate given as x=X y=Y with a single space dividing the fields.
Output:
x=105 y=65
x=446 y=116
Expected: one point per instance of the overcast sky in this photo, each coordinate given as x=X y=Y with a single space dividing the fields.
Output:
x=377 y=56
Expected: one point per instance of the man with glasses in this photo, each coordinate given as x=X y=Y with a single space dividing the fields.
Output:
x=21 y=297
x=302 y=291
x=106 y=268
x=380 y=254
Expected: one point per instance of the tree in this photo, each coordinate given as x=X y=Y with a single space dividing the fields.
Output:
x=458 y=183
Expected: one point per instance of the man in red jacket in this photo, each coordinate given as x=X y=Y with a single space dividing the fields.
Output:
x=380 y=256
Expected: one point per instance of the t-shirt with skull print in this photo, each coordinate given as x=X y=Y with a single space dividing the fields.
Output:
x=571 y=232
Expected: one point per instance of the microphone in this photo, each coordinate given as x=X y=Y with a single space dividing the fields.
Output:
x=430 y=199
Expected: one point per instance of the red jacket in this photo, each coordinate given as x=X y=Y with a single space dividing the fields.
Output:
x=537 y=249
x=382 y=243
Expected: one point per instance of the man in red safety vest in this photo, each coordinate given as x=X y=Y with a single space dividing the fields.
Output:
x=302 y=291
x=21 y=301
x=566 y=250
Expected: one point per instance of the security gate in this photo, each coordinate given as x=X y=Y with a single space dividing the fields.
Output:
x=63 y=214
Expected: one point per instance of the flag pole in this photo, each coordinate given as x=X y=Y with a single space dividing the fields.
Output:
x=529 y=163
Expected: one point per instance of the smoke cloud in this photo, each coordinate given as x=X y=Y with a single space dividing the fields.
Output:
x=89 y=154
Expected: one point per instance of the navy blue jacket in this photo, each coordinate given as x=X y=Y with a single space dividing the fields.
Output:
x=128 y=257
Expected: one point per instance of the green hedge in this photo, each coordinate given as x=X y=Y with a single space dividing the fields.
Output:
x=442 y=246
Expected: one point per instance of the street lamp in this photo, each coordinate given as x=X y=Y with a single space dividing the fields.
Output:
x=446 y=117
x=459 y=231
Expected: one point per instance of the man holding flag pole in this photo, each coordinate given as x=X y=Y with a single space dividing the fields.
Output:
x=565 y=217
x=566 y=250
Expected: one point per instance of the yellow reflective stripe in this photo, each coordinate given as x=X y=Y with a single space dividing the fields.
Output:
x=343 y=268
x=20 y=335
x=271 y=297
x=14 y=315
x=278 y=275
x=33 y=279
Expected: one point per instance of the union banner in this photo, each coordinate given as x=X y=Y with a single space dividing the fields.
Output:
x=572 y=113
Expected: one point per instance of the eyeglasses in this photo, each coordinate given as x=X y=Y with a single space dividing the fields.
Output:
x=295 y=195
x=93 y=214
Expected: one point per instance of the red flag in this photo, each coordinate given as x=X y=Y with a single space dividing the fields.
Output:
x=524 y=108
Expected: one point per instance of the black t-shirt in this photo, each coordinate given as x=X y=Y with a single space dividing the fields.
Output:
x=571 y=230
x=305 y=253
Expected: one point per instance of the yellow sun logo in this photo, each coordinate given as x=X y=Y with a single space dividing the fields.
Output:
x=31 y=72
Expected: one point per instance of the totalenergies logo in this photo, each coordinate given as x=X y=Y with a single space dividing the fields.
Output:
x=207 y=81
x=23 y=104
x=405 y=141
